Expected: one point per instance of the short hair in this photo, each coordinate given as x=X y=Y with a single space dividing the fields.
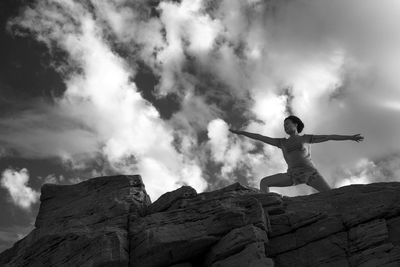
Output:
x=300 y=124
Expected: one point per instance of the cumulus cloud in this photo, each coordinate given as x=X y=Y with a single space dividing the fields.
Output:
x=123 y=126
x=239 y=157
x=366 y=171
x=218 y=134
x=16 y=184
x=225 y=149
x=250 y=63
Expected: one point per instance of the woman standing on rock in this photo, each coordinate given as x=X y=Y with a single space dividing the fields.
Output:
x=297 y=154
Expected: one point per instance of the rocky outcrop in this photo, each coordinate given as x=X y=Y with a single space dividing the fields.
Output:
x=350 y=226
x=82 y=225
x=109 y=221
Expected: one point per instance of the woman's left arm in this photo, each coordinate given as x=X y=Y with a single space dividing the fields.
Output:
x=336 y=137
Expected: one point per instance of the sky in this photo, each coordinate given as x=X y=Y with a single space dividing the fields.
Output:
x=94 y=88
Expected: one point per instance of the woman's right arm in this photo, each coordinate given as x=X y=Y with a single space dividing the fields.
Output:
x=259 y=137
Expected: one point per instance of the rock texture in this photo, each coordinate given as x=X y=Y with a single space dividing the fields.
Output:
x=349 y=226
x=82 y=225
x=110 y=221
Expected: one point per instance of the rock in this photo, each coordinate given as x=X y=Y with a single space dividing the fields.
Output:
x=355 y=204
x=178 y=235
x=168 y=200
x=234 y=242
x=253 y=255
x=186 y=264
x=70 y=249
x=233 y=189
x=355 y=225
x=367 y=235
x=381 y=255
x=291 y=220
x=90 y=202
x=330 y=251
x=110 y=221
x=393 y=226
x=82 y=224
x=304 y=235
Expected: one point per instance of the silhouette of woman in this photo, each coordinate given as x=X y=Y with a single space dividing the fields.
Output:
x=297 y=154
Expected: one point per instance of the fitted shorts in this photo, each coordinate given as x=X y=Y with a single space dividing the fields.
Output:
x=302 y=175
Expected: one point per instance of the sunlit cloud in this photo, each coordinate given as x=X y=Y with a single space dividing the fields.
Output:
x=104 y=100
x=393 y=105
x=16 y=182
x=225 y=149
x=230 y=62
x=368 y=171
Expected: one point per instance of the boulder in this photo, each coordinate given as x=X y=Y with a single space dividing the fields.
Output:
x=82 y=224
x=252 y=255
x=172 y=199
x=234 y=242
x=178 y=235
x=329 y=251
x=355 y=225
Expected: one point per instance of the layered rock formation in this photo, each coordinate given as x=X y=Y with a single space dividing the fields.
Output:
x=110 y=221
x=82 y=225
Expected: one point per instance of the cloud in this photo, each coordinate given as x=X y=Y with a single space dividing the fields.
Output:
x=16 y=184
x=45 y=131
x=124 y=127
x=241 y=158
x=218 y=134
x=230 y=62
x=189 y=31
x=226 y=150
x=52 y=179
x=366 y=171
x=3 y=152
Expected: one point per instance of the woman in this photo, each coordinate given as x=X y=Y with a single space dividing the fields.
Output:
x=297 y=154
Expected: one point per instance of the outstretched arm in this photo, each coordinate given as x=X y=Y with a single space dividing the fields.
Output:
x=259 y=137
x=335 y=137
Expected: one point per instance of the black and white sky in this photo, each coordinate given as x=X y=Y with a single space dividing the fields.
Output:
x=101 y=87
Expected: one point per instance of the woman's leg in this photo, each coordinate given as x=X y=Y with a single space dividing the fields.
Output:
x=278 y=180
x=318 y=182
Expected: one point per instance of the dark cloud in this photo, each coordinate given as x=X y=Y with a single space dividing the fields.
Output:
x=146 y=82
x=287 y=92
x=26 y=69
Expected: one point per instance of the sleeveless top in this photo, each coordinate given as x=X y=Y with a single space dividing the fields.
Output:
x=297 y=152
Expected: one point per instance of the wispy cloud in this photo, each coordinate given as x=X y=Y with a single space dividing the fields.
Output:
x=47 y=130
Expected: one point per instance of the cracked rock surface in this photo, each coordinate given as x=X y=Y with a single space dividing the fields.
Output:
x=110 y=221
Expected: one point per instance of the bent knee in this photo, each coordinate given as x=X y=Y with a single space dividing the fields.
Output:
x=280 y=179
x=319 y=183
x=266 y=181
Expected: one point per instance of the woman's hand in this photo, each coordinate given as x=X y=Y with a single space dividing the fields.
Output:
x=357 y=138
